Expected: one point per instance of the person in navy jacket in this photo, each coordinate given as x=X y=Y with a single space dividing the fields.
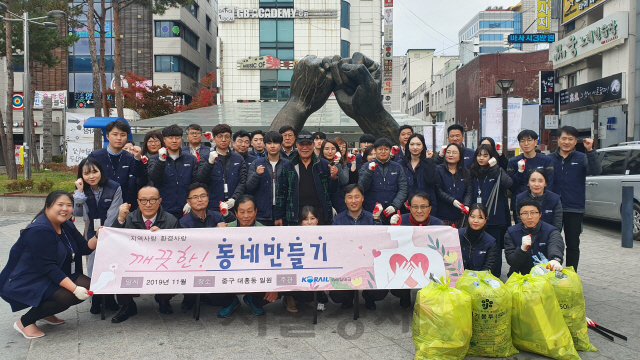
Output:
x=329 y=150
x=420 y=215
x=571 y=170
x=241 y=143
x=44 y=269
x=196 y=147
x=257 y=144
x=383 y=181
x=366 y=140
x=420 y=170
x=172 y=171
x=455 y=135
x=224 y=171
x=288 y=142
x=479 y=249
x=521 y=166
x=532 y=237
x=120 y=165
x=550 y=201
x=97 y=200
x=455 y=189
x=488 y=177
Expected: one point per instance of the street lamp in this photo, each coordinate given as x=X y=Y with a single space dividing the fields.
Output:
x=434 y=115
x=505 y=85
x=596 y=99
x=26 y=87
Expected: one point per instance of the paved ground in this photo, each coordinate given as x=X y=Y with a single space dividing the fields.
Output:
x=607 y=270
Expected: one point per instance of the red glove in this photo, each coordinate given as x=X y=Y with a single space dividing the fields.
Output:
x=208 y=135
x=396 y=219
x=223 y=208
x=406 y=204
x=464 y=210
x=162 y=153
x=372 y=166
x=453 y=225
x=395 y=150
x=145 y=159
x=336 y=158
x=377 y=209
x=90 y=292
x=351 y=158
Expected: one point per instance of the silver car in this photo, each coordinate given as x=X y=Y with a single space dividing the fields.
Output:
x=620 y=167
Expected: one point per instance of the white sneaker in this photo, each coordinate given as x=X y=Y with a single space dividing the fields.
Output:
x=321 y=307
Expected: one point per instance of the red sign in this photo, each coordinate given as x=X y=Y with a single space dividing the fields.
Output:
x=388 y=3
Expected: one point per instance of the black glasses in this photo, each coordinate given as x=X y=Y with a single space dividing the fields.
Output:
x=529 y=214
x=150 y=201
x=199 y=197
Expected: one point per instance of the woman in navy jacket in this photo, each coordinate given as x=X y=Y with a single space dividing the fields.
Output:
x=420 y=170
x=479 y=249
x=487 y=176
x=328 y=151
x=455 y=188
x=44 y=270
x=97 y=199
x=550 y=201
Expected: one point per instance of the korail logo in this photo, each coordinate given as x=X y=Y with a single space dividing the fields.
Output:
x=312 y=279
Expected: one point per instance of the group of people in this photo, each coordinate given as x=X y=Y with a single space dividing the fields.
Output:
x=285 y=178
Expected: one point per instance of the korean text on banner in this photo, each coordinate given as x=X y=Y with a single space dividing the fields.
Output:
x=58 y=99
x=428 y=135
x=230 y=260
x=492 y=124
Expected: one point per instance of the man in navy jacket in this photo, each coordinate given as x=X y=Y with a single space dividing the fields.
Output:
x=455 y=134
x=241 y=143
x=571 y=170
x=120 y=165
x=196 y=147
x=420 y=215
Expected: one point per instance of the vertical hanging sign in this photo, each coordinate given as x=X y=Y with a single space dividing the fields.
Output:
x=387 y=53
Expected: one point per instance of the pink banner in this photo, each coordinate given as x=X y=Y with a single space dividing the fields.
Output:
x=256 y=259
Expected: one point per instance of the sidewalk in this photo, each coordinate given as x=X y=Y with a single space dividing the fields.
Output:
x=608 y=274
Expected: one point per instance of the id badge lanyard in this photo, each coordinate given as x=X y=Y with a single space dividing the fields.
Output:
x=73 y=254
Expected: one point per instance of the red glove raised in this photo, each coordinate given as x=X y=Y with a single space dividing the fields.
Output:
x=406 y=204
x=377 y=209
x=223 y=208
x=372 y=166
x=395 y=150
x=208 y=135
x=351 y=158
x=145 y=159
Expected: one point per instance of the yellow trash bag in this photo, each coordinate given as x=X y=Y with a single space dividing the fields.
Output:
x=441 y=322
x=491 y=306
x=536 y=320
x=568 y=288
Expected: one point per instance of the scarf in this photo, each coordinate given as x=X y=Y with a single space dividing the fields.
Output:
x=413 y=222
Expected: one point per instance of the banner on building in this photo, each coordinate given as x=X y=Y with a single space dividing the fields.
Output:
x=613 y=88
x=238 y=260
x=571 y=9
x=18 y=101
x=388 y=16
x=546 y=87
x=58 y=99
x=543 y=15
x=265 y=63
x=388 y=33
x=388 y=3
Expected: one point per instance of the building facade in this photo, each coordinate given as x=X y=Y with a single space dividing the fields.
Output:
x=261 y=41
x=443 y=93
x=396 y=82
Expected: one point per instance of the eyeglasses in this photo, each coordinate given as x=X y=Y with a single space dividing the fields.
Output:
x=529 y=214
x=195 y=133
x=153 y=140
x=527 y=141
x=453 y=153
x=290 y=136
x=223 y=137
x=199 y=197
x=421 y=207
x=150 y=201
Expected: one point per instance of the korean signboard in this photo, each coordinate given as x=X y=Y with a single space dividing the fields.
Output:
x=543 y=15
x=264 y=63
x=531 y=38
x=546 y=87
x=252 y=259
x=571 y=9
x=58 y=99
x=595 y=38
x=613 y=88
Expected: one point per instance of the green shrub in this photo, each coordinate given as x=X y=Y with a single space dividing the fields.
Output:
x=57 y=159
x=45 y=186
x=20 y=185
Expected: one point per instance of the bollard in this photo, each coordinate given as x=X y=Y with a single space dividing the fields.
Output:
x=627 y=216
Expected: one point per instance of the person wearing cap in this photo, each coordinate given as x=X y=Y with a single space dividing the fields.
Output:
x=317 y=179
x=455 y=135
x=383 y=181
x=172 y=171
x=366 y=140
x=288 y=141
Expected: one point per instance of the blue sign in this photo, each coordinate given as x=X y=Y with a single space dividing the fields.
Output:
x=531 y=38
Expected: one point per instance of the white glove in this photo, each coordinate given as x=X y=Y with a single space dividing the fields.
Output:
x=526 y=242
x=555 y=265
x=224 y=209
x=395 y=220
x=521 y=165
x=442 y=151
x=499 y=148
x=81 y=293
x=457 y=204
x=186 y=209
x=230 y=203
x=389 y=210
x=493 y=162
x=377 y=210
x=336 y=158
x=162 y=154
x=372 y=166
x=213 y=155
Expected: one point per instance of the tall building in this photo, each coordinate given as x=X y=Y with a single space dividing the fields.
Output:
x=396 y=82
x=443 y=93
x=262 y=40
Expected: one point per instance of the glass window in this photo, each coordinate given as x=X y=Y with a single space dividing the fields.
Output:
x=191 y=38
x=208 y=53
x=82 y=46
x=82 y=64
x=345 y=48
x=633 y=166
x=272 y=52
x=193 y=9
x=613 y=162
x=285 y=54
x=276 y=3
x=84 y=82
x=345 y=15
x=285 y=31
x=268 y=32
x=168 y=63
x=491 y=49
x=491 y=37
x=268 y=75
x=285 y=76
x=208 y=23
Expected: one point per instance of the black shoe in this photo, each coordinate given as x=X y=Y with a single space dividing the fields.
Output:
x=127 y=310
x=164 y=307
x=186 y=305
x=405 y=302
x=370 y=304
x=96 y=301
x=110 y=303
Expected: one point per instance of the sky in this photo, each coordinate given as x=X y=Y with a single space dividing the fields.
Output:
x=434 y=24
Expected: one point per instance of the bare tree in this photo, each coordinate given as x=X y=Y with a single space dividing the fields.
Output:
x=7 y=137
x=97 y=103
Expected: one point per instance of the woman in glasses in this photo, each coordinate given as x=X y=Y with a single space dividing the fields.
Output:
x=550 y=201
x=454 y=189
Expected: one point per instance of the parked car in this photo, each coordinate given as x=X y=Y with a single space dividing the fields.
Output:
x=620 y=167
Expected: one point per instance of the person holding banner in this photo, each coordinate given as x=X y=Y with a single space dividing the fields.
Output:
x=480 y=250
x=455 y=135
x=455 y=188
x=420 y=215
x=550 y=201
x=44 y=269
x=172 y=171
x=521 y=166
x=420 y=170
x=383 y=181
x=530 y=238
x=490 y=184
x=149 y=216
x=274 y=183
x=194 y=137
x=97 y=200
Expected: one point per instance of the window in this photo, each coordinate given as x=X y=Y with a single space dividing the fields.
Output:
x=491 y=49
x=208 y=53
x=169 y=63
x=276 y=3
x=275 y=84
x=208 y=23
x=633 y=166
x=18 y=65
x=345 y=15
x=276 y=38
x=191 y=38
x=82 y=64
x=193 y=9
x=494 y=24
x=177 y=29
x=491 y=37
x=571 y=80
x=345 y=48
x=613 y=162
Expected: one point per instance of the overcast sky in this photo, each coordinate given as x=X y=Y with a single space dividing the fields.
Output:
x=445 y=16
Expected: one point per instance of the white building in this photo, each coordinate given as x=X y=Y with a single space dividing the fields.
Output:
x=596 y=54
x=396 y=82
x=184 y=46
x=443 y=93
x=262 y=40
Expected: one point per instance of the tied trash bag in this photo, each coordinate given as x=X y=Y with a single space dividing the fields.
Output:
x=491 y=306
x=537 y=324
x=441 y=322
x=568 y=288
